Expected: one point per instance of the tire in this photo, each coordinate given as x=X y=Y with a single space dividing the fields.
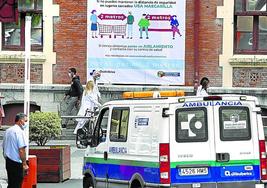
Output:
x=136 y=184
x=88 y=182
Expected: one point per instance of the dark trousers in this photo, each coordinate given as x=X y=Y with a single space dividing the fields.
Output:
x=14 y=173
x=67 y=108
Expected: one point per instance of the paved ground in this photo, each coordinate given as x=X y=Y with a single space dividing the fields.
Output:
x=76 y=166
x=72 y=183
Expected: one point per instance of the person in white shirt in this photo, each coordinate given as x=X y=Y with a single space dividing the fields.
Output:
x=14 y=151
x=96 y=76
x=202 y=89
x=88 y=104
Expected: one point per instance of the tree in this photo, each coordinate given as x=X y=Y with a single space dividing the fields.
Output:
x=44 y=126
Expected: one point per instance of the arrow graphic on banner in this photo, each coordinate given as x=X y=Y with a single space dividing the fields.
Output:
x=112 y=17
x=159 y=17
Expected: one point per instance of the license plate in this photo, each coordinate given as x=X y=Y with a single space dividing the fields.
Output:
x=193 y=171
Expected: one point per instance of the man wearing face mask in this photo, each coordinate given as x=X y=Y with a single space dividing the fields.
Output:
x=14 y=151
x=72 y=97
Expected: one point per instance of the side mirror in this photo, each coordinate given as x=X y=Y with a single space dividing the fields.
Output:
x=82 y=139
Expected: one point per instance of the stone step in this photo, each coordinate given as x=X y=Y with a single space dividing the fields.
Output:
x=67 y=135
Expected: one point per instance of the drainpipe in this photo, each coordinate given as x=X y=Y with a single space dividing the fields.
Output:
x=196 y=43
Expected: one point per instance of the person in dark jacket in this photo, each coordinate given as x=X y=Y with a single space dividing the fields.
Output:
x=72 y=97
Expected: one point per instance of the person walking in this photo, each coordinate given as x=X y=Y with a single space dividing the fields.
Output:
x=72 y=97
x=88 y=104
x=174 y=26
x=14 y=151
x=202 y=89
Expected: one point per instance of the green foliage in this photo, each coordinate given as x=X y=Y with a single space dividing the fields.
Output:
x=29 y=2
x=36 y=19
x=44 y=126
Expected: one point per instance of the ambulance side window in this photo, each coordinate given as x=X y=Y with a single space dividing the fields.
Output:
x=119 y=124
x=100 y=130
x=191 y=125
x=234 y=123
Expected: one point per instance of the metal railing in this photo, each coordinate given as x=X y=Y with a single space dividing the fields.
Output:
x=264 y=120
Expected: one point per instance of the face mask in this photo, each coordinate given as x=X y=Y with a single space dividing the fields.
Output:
x=25 y=126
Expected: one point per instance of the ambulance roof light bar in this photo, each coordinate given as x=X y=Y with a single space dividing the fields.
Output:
x=212 y=98
x=153 y=94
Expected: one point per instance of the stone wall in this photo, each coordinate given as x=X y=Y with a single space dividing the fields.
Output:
x=250 y=77
x=48 y=97
x=14 y=73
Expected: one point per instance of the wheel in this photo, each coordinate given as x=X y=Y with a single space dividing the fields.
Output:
x=136 y=184
x=88 y=182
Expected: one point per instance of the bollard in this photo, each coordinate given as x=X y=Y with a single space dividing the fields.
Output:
x=30 y=180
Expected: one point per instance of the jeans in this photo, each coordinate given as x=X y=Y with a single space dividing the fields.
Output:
x=141 y=31
x=130 y=30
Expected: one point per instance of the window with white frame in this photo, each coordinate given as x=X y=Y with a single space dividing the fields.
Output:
x=250 y=21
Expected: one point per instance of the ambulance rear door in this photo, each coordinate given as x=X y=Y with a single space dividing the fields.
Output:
x=192 y=144
x=236 y=141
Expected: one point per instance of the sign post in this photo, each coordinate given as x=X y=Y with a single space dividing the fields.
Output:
x=27 y=81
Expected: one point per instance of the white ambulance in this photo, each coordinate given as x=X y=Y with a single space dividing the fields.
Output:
x=182 y=142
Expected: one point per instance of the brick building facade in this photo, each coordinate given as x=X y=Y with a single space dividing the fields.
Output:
x=69 y=44
x=69 y=29
x=70 y=40
x=210 y=42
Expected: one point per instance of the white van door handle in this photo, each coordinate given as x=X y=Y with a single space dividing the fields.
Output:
x=105 y=155
x=222 y=157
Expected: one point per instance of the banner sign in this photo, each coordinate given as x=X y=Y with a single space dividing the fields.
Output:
x=137 y=42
